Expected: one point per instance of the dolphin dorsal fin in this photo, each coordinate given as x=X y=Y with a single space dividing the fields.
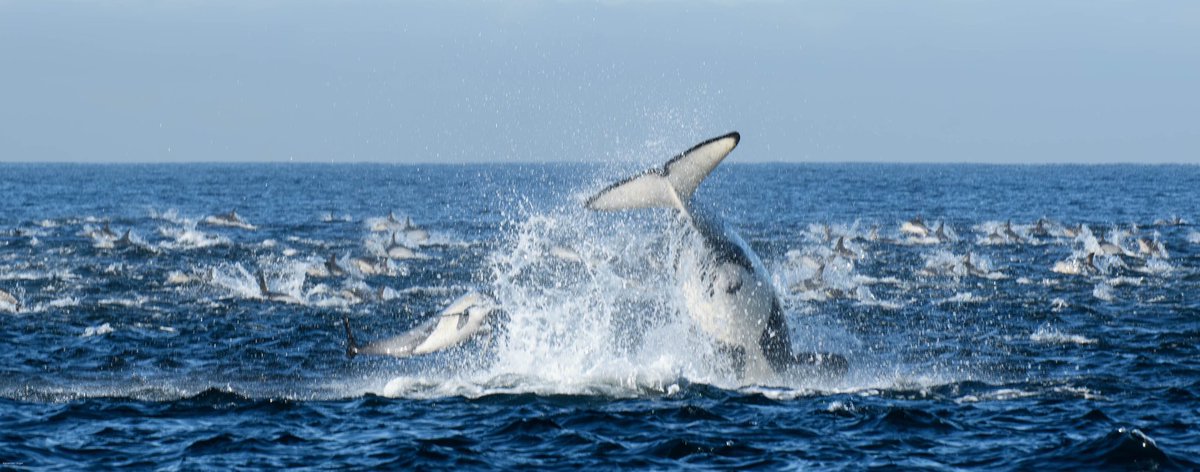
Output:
x=262 y=283
x=670 y=186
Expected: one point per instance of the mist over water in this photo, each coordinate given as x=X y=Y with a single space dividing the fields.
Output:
x=997 y=342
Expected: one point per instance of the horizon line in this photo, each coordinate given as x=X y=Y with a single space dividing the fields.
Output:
x=523 y=162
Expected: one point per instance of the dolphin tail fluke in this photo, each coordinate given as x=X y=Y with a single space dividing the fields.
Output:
x=351 y=345
x=670 y=186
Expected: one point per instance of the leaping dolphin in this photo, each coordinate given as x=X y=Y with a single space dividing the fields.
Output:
x=450 y=327
x=730 y=296
x=274 y=296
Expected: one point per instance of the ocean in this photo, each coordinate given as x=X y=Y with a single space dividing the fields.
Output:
x=1036 y=317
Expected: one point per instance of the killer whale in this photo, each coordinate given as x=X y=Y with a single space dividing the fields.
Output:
x=728 y=294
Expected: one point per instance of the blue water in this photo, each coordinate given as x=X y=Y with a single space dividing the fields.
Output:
x=162 y=354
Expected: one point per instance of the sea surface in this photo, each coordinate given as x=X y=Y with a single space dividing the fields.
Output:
x=1054 y=323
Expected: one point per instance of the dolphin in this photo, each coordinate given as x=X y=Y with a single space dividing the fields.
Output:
x=940 y=234
x=274 y=296
x=125 y=240
x=396 y=250
x=230 y=219
x=1040 y=229
x=730 y=297
x=1010 y=234
x=873 y=236
x=841 y=249
x=995 y=238
x=971 y=268
x=1107 y=248
x=1172 y=221
x=453 y=325
x=379 y=226
x=333 y=268
x=915 y=227
x=329 y=268
x=1151 y=248
x=415 y=233
x=812 y=283
x=1077 y=266
x=8 y=299
x=372 y=265
x=1072 y=232
x=361 y=293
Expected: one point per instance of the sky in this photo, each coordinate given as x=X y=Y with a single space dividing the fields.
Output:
x=1020 y=81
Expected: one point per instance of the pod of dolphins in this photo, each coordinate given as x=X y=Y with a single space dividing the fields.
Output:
x=727 y=290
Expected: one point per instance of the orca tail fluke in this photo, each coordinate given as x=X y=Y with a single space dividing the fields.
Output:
x=351 y=345
x=670 y=186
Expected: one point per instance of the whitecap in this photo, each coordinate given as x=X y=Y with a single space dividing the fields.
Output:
x=1047 y=335
x=97 y=330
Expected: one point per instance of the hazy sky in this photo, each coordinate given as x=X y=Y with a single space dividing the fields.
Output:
x=309 y=80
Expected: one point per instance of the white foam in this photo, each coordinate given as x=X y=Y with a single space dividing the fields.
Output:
x=188 y=237
x=1103 y=291
x=963 y=297
x=97 y=330
x=1047 y=335
x=613 y=323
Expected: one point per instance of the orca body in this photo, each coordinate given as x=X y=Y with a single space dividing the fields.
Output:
x=727 y=291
